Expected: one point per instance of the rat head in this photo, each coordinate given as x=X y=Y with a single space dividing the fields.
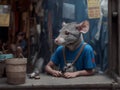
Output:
x=70 y=32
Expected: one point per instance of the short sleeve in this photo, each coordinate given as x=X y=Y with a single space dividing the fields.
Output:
x=89 y=60
x=55 y=58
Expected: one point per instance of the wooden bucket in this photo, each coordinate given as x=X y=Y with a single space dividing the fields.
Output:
x=16 y=70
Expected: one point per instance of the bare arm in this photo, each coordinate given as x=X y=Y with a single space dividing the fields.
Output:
x=85 y=72
x=49 y=69
x=78 y=73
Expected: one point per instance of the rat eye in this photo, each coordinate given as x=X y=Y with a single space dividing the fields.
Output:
x=67 y=33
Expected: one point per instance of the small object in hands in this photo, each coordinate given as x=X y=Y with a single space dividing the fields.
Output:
x=68 y=68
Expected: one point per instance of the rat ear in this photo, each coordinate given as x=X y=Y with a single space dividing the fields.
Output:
x=64 y=24
x=83 y=27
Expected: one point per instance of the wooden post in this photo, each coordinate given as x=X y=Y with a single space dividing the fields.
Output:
x=110 y=34
x=113 y=37
x=50 y=30
x=118 y=37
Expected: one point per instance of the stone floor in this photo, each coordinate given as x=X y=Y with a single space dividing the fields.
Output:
x=103 y=82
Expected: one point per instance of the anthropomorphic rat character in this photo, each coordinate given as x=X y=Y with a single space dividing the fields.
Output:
x=73 y=56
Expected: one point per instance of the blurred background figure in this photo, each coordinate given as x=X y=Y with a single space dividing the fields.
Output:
x=21 y=44
x=19 y=48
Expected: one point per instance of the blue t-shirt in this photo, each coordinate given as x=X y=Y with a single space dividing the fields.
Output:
x=85 y=61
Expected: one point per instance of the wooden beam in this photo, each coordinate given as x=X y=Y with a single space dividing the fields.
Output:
x=119 y=37
x=50 y=30
x=110 y=34
x=113 y=36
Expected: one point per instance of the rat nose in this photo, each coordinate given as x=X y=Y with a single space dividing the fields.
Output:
x=56 y=40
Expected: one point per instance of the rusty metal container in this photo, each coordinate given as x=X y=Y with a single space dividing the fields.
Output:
x=16 y=70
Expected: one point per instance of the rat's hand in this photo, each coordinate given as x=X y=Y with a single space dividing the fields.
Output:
x=56 y=73
x=70 y=74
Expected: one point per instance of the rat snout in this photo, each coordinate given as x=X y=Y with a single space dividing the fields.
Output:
x=56 y=40
x=59 y=40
